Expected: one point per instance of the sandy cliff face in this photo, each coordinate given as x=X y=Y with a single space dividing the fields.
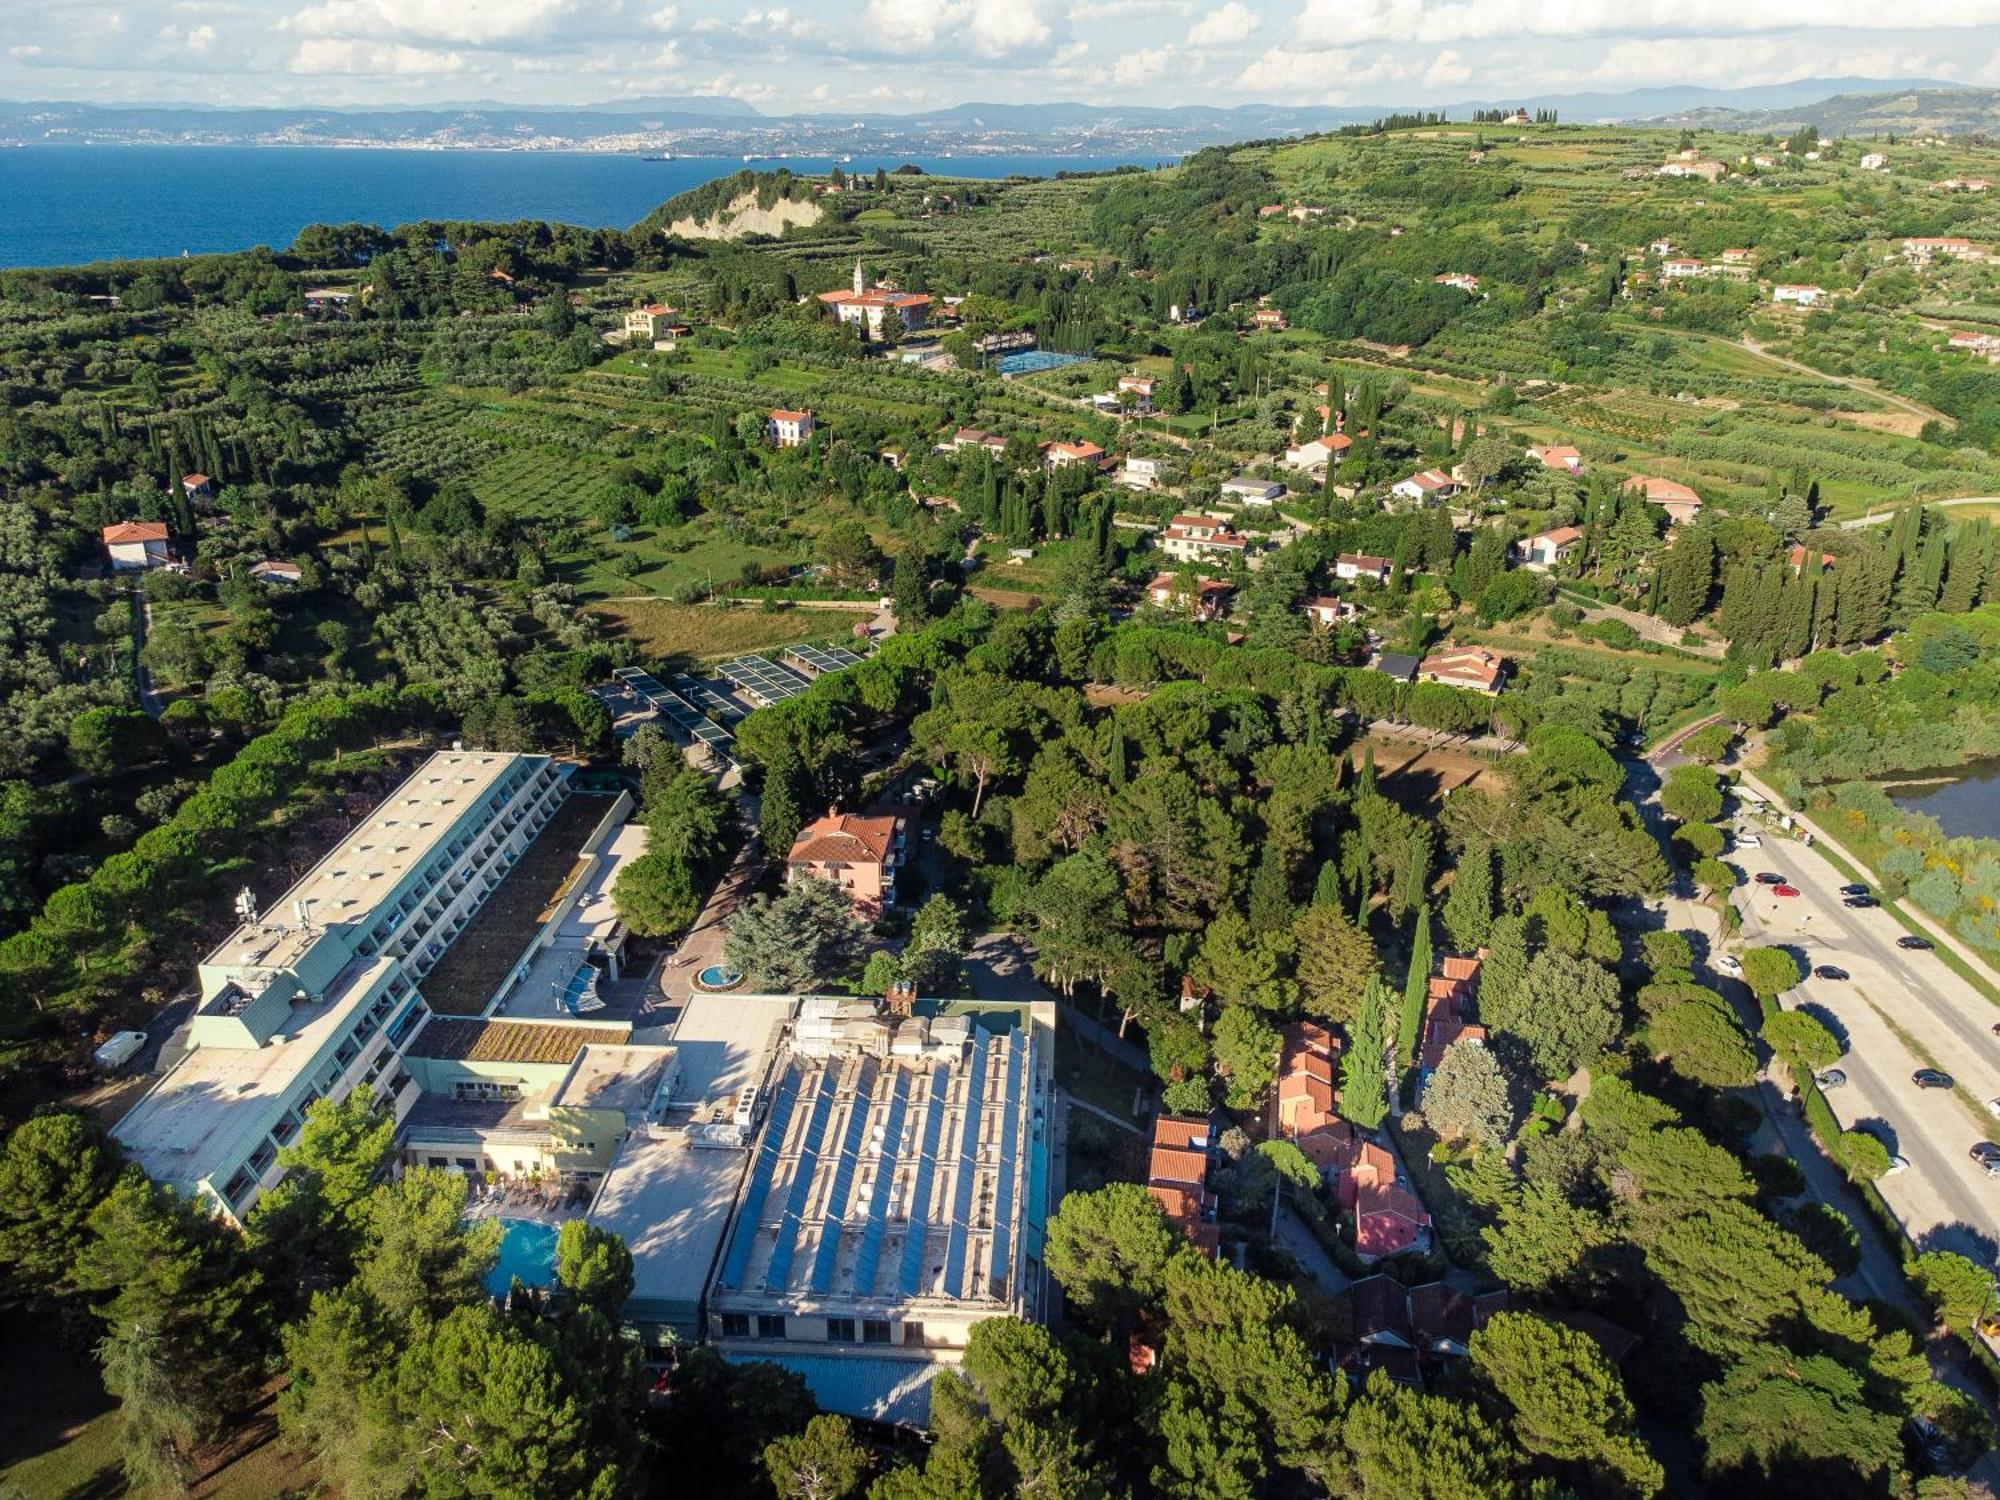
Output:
x=743 y=216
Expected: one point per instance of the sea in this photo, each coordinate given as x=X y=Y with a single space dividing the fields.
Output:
x=70 y=205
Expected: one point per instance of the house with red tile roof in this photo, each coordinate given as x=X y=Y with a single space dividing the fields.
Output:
x=1463 y=281
x=1272 y=318
x=1679 y=502
x=1425 y=486
x=1798 y=556
x=1177 y=1178
x=869 y=307
x=1328 y=609
x=1319 y=452
x=197 y=486
x=789 y=429
x=1190 y=537
x=1404 y=1329
x=1208 y=601
x=1545 y=549
x=1923 y=251
x=1352 y=565
x=137 y=545
x=1558 y=456
x=1470 y=667
x=1066 y=455
x=975 y=437
x=1308 y=1078
x=1389 y=1218
x=1448 y=1008
x=859 y=854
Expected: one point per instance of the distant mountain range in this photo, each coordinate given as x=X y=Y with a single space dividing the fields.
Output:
x=1924 y=109
x=704 y=127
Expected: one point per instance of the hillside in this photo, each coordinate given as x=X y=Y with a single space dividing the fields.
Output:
x=1918 y=111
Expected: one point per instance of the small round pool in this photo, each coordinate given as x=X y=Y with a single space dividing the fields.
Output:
x=527 y=1250
x=718 y=977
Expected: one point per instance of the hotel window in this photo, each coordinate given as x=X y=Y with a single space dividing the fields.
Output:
x=770 y=1325
x=913 y=1333
x=436 y=1161
x=465 y=1164
x=840 y=1330
x=875 y=1331
x=736 y=1325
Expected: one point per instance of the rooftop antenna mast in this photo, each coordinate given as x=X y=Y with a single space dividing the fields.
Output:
x=246 y=906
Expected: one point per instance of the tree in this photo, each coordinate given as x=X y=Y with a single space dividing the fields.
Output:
x=158 y=1429
x=822 y=1463
x=1416 y=987
x=1562 y=1400
x=937 y=943
x=1862 y=1154
x=656 y=894
x=1335 y=960
x=1468 y=904
x=780 y=809
x=55 y=1169
x=1566 y=1012
x=1109 y=1250
x=1364 y=1096
x=1702 y=1040
x=1691 y=794
x=1959 y=1290
x=1397 y=1444
x=1776 y=1421
x=1540 y=1238
x=791 y=943
x=1466 y=1097
x=1246 y=1055
x=1245 y=968
x=106 y=740
x=909 y=587
x=418 y=1256
x=1769 y=972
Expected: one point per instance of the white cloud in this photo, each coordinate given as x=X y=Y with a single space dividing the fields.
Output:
x=385 y=59
x=1135 y=68
x=1447 y=68
x=1357 y=22
x=24 y=53
x=986 y=28
x=666 y=18
x=1127 y=10
x=1001 y=27
x=448 y=21
x=197 y=40
x=1221 y=28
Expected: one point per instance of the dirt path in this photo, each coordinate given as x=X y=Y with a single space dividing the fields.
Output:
x=1650 y=627
x=1876 y=519
x=1852 y=382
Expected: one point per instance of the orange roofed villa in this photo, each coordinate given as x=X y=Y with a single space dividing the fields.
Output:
x=859 y=854
x=1177 y=1177
x=869 y=307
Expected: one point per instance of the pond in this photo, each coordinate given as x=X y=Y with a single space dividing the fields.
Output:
x=1965 y=801
x=527 y=1250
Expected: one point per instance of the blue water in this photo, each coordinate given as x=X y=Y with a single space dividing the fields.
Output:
x=527 y=1250
x=68 y=205
x=1029 y=361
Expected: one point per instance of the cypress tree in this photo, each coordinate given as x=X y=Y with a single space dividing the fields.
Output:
x=1364 y=1097
x=1366 y=786
x=1416 y=987
x=1119 y=768
x=1326 y=890
x=1468 y=905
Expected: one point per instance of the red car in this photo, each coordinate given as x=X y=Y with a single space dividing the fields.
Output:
x=1784 y=890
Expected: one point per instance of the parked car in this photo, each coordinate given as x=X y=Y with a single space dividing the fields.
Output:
x=1988 y=1156
x=1854 y=889
x=1829 y=971
x=1914 y=943
x=1730 y=964
x=1859 y=901
x=1832 y=1078
x=121 y=1049
x=1993 y=1108
x=1896 y=1164
x=1784 y=890
x=1769 y=877
x=1748 y=841
x=1930 y=1078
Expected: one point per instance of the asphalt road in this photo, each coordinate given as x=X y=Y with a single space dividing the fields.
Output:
x=1944 y=1200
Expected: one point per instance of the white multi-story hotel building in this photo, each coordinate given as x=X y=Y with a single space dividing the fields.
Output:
x=321 y=994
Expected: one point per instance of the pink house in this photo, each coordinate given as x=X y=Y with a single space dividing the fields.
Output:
x=1679 y=502
x=858 y=854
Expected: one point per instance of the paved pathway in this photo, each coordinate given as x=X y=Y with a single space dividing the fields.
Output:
x=1877 y=518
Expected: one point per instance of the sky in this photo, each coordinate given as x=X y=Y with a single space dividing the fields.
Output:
x=905 y=55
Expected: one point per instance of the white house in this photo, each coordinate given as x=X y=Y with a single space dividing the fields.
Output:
x=1545 y=549
x=650 y=322
x=137 y=545
x=1426 y=486
x=1874 y=161
x=1142 y=473
x=1328 y=609
x=1681 y=268
x=1190 y=537
x=1319 y=452
x=789 y=429
x=1253 y=491
x=1924 y=251
x=1352 y=565
x=1465 y=282
x=1800 y=296
x=271 y=571
x=1557 y=456
x=1067 y=455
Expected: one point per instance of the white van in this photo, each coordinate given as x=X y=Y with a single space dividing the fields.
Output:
x=1748 y=841
x=121 y=1049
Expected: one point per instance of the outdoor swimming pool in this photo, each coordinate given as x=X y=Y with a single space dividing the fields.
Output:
x=718 y=977
x=1028 y=361
x=527 y=1250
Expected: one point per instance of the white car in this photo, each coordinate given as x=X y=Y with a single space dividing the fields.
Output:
x=1896 y=1164
x=1730 y=964
x=1993 y=1108
x=1748 y=841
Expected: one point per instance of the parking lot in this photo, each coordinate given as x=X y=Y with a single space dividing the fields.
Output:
x=1898 y=1011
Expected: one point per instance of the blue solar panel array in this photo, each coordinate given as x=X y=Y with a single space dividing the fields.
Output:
x=734 y=1263
x=687 y=720
x=779 y=1271
x=818 y=661
x=869 y=1256
x=999 y=1268
x=765 y=681
x=709 y=699
x=968 y=1154
x=832 y=1225
x=912 y=1268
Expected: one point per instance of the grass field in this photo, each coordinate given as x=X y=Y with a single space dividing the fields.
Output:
x=665 y=631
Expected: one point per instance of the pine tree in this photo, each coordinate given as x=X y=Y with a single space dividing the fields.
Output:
x=1364 y=1096
x=1416 y=987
